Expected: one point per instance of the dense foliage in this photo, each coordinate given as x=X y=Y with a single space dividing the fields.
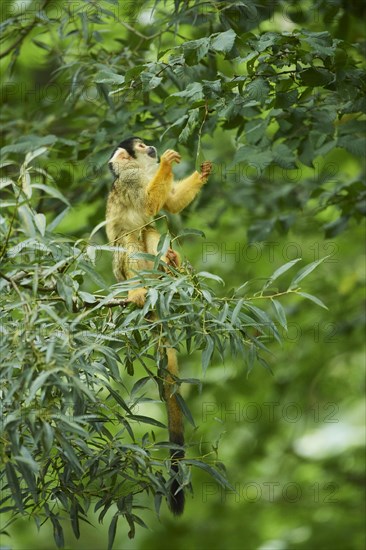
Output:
x=274 y=95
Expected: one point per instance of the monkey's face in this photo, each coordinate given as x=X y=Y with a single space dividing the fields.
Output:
x=142 y=151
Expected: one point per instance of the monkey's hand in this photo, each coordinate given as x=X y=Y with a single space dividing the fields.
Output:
x=169 y=157
x=206 y=168
x=137 y=296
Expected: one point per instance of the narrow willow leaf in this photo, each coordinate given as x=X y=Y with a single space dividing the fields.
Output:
x=146 y=420
x=14 y=485
x=56 y=221
x=52 y=191
x=207 y=353
x=4 y=182
x=58 y=533
x=250 y=357
x=74 y=516
x=87 y=297
x=210 y=470
x=190 y=231
x=236 y=311
x=33 y=154
x=26 y=184
x=207 y=275
x=313 y=299
x=118 y=398
x=40 y=221
x=280 y=271
x=132 y=447
x=305 y=271
x=185 y=410
x=130 y=521
x=139 y=384
x=97 y=227
x=27 y=220
x=38 y=383
x=280 y=313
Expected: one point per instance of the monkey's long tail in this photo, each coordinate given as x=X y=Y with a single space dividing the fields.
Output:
x=176 y=431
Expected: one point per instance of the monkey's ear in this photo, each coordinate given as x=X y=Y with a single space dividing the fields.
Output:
x=120 y=154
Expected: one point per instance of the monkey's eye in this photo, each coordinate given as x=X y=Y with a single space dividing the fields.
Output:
x=141 y=145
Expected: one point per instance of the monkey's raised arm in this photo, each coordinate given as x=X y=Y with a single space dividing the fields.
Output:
x=158 y=189
x=183 y=193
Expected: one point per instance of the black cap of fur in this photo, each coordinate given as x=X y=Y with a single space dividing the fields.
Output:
x=127 y=144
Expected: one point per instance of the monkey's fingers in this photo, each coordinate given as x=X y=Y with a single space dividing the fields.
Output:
x=206 y=168
x=171 y=156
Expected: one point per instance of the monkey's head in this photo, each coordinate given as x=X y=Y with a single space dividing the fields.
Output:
x=135 y=150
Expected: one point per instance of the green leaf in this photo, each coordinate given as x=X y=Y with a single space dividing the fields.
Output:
x=313 y=299
x=65 y=290
x=14 y=485
x=207 y=353
x=33 y=154
x=195 y=50
x=52 y=191
x=254 y=157
x=140 y=384
x=353 y=144
x=109 y=77
x=185 y=410
x=192 y=92
x=250 y=357
x=316 y=77
x=280 y=313
x=236 y=311
x=304 y=272
x=87 y=297
x=210 y=470
x=40 y=221
x=39 y=382
x=132 y=447
x=223 y=41
x=280 y=271
x=207 y=275
x=258 y=90
x=28 y=143
x=58 y=219
x=190 y=231
x=146 y=420
x=58 y=533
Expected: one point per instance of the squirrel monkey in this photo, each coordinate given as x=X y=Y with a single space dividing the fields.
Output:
x=142 y=187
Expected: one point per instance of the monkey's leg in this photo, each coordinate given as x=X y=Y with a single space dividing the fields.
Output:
x=152 y=238
x=134 y=244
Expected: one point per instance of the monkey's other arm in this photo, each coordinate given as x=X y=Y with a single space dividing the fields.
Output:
x=158 y=189
x=182 y=194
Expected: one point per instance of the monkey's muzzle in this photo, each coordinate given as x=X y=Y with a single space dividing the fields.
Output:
x=152 y=152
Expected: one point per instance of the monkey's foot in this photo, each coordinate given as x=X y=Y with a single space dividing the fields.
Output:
x=172 y=258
